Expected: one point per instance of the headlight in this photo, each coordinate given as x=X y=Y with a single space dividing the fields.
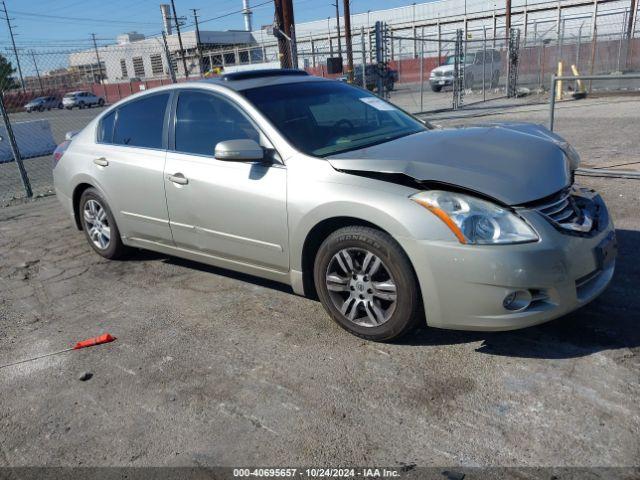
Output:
x=475 y=221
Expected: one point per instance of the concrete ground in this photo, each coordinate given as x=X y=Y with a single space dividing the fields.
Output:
x=217 y=368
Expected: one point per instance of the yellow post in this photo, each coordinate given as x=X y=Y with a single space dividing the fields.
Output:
x=559 y=86
x=580 y=88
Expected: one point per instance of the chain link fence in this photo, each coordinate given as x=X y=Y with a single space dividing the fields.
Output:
x=421 y=65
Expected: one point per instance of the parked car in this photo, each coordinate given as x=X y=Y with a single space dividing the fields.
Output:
x=475 y=65
x=338 y=193
x=81 y=100
x=390 y=77
x=41 y=104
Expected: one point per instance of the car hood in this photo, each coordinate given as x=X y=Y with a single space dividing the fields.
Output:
x=443 y=69
x=514 y=163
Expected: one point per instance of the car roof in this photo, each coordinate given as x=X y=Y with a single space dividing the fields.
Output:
x=241 y=81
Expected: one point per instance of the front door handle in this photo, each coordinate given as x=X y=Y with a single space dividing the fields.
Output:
x=178 y=178
x=103 y=162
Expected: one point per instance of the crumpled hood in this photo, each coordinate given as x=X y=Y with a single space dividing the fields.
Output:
x=514 y=163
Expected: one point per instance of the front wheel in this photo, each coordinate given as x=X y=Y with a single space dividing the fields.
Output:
x=99 y=226
x=436 y=88
x=367 y=284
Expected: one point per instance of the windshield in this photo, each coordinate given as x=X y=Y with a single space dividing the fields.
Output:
x=324 y=118
x=70 y=95
x=39 y=99
x=451 y=59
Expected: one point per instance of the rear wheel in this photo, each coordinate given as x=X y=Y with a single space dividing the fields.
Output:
x=99 y=225
x=436 y=88
x=366 y=283
x=100 y=102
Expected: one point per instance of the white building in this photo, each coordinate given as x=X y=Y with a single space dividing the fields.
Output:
x=137 y=57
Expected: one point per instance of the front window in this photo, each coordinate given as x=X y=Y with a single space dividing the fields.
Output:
x=325 y=118
x=451 y=59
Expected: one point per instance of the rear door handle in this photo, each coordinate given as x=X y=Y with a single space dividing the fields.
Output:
x=178 y=178
x=103 y=162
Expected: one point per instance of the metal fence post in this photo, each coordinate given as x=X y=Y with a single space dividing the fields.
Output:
x=379 y=58
x=14 y=148
x=421 y=71
x=364 y=58
x=552 y=102
x=484 y=62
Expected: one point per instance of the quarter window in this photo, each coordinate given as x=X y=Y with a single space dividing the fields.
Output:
x=203 y=120
x=140 y=123
x=105 y=130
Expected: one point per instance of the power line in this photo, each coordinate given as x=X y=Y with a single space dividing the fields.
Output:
x=13 y=42
x=80 y=19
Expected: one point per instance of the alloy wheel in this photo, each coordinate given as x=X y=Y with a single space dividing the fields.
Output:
x=361 y=287
x=97 y=224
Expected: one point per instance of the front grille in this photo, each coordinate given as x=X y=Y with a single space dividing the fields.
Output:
x=438 y=74
x=567 y=211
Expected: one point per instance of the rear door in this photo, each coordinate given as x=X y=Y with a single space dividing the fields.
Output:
x=129 y=162
x=231 y=210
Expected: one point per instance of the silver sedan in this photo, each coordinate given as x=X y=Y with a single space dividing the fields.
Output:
x=334 y=191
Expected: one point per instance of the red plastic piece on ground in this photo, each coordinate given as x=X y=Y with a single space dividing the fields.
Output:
x=90 y=342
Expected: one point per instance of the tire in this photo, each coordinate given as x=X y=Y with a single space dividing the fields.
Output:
x=114 y=248
x=375 y=315
x=101 y=102
x=60 y=106
x=41 y=108
x=80 y=105
x=436 y=88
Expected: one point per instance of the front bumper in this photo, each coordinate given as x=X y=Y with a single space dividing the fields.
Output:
x=463 y=286
x=441 y=81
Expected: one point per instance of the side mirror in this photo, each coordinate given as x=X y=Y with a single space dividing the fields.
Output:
x=239 y=151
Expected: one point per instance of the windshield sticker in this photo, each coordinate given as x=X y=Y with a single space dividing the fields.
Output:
x=377 y=103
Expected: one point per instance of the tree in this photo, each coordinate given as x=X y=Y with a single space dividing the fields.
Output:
x=6 y=74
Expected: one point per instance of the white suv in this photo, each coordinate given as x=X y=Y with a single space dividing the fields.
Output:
x=475 y=64
x=81 y=100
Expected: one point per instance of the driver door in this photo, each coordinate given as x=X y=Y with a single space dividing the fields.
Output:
x=235 y=211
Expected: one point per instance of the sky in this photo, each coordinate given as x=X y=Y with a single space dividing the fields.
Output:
x=67 y=24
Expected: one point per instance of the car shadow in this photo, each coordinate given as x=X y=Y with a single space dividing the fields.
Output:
x=610 y=322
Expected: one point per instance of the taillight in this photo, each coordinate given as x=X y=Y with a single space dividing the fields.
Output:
x=59 y=152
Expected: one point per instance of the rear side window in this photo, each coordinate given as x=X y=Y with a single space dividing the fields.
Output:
x=105 y=130
x=140 y=123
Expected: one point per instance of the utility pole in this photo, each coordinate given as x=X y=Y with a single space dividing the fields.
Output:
x=15 y=50
x=95 y=48
x=347 y=39
x=284 y=20
x=289 y=26
x=177 y=20
x=167 y=54
x=507 y=20
x=337 y=5
x=35 y=66
x=631 y=29
x=198 y=51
